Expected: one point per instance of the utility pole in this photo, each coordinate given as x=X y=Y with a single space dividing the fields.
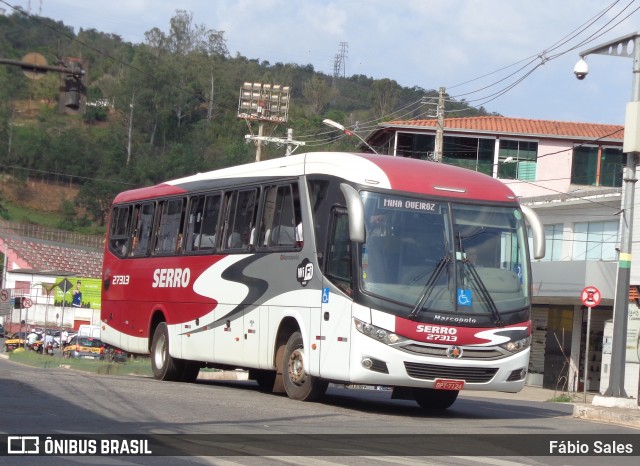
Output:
x=439 y=127
x=133 y=96
x=615 y=395
x=289 y=141
x=258 y=141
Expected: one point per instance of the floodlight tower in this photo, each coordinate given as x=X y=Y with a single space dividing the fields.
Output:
x=264 y=103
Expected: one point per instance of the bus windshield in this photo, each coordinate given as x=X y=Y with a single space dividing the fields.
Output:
x=444 y=257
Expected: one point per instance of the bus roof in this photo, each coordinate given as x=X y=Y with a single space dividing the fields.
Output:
x=376 y=171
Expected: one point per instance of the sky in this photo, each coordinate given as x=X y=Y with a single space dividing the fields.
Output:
x=477 y=49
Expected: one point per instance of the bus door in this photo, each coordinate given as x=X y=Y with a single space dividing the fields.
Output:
x=335 y=323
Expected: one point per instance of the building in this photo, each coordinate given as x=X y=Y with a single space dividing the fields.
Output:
x=35 y=269
x=571 y=174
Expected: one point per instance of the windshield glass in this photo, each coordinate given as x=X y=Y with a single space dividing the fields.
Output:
x=434 y=256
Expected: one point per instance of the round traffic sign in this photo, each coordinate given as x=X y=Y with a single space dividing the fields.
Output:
x=4 y=295
x=26 y=303
x=590 y=296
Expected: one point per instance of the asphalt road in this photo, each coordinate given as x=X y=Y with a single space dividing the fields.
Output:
x=61 y=401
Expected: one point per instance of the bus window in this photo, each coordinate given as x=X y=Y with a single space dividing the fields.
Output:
x=119 y=232
x=203 y=223
x=143 y=218
x=240 y=219
x=281 y=227
x=169 y=227
x=339 y=256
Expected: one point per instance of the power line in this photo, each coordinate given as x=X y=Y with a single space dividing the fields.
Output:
x=542 y=57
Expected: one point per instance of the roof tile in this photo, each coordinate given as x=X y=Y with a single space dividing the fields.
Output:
x=499 y=124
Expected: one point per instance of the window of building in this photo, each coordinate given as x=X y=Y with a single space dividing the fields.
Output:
x=472 y=153
x=593 y=167
x=517 y=160
x=595 y=241
x=416 y=146
x=553 y=242
x=611 y=167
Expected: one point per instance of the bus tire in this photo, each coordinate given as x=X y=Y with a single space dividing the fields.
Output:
x=429 y=398
x=190 y=371
x=297 y=383
x=164 y=366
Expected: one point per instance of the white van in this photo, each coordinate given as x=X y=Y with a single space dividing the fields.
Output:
x=89 y=331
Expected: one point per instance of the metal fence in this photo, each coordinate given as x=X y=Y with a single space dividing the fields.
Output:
x=28 y=230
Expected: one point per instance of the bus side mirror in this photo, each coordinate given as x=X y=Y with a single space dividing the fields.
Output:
x=537 y=229
x=355 y=207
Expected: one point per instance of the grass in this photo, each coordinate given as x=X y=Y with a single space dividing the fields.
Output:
x=137 y=366
x=17 y=213
x=564 y=398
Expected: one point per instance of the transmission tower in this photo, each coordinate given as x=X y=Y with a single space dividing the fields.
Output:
x=340 y=62
x=39 y=8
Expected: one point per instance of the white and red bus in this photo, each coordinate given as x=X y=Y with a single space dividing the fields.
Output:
x=326 y=267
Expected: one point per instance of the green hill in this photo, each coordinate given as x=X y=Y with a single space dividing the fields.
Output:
x=164 y=108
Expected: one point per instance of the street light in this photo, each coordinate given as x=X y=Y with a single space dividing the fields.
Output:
x=338 y=126
x=626 y=46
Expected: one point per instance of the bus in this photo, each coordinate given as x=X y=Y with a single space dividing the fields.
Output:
x=318 y=268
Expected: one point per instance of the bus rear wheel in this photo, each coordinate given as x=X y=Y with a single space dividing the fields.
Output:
x=164 y=366
x=297 y=383
x=429 y=398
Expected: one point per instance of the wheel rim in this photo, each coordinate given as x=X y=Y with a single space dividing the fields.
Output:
x=296 y=367
x=159 y=355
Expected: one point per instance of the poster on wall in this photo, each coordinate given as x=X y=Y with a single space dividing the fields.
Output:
x=81 y=292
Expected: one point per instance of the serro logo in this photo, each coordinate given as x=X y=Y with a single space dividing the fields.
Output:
x=171 y=278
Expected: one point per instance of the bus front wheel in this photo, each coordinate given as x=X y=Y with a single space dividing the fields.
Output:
x=429 y=398
x=297 y=383
x=164 y=366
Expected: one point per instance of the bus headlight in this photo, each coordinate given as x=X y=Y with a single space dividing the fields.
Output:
x=377 y=333
x=515 y=346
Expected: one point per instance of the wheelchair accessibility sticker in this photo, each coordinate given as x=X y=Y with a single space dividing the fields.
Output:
x=325 y=295
x=464 y=297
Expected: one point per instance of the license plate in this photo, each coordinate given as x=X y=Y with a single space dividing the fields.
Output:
x=447 y=384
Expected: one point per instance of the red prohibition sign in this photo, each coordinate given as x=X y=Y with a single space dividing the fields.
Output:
x=590 y=296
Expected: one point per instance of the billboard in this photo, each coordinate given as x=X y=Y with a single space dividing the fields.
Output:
x=80 y=292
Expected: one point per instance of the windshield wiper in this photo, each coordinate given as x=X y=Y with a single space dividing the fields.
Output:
x=430 y=285
x=484 y=292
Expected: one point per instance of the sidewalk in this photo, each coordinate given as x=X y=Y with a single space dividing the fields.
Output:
x=582 y=409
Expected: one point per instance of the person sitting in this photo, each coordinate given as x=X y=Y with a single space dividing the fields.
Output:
x=204 y=241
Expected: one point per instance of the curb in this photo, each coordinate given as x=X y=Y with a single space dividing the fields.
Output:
x=223 y=375
x=620 y=416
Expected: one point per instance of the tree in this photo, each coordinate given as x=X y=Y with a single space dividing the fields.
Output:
x=385 y=96
x=318 y=93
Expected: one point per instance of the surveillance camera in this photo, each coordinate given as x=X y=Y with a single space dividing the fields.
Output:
x=581 y=69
